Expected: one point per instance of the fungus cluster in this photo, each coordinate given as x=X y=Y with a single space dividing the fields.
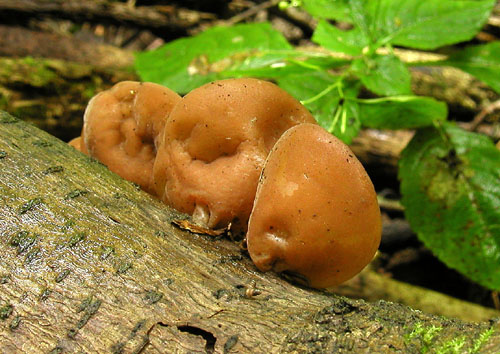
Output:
x=243 y=152
x=214 y=147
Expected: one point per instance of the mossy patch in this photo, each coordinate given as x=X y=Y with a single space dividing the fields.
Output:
x=30 y=205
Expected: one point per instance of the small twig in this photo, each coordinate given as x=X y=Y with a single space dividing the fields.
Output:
x=494 y=21
x=390 y=204
x=131 y=4
x=478 y=119
x=251 y=11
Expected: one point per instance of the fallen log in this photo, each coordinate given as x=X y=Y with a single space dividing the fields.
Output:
x=19 y=42
x=167 y=17
x=90 y=263
x=53 y=94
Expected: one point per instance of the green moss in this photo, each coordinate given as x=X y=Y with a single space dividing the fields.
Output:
x=454 y=346
x=425 y=335
x=105 y=252
x=53 y=169
x=15 y=323
x=91 y=308
x=75 y=193
x=89 y=92
x=44 y=295
x=31 y=255
x=56 y=350
x=6 y=118
x=69 y=224
x=160 y=233
x=123 y=267
x=28 y=71
x=152 y=297
x=6 y=311
x=30 y=110
x=22 y=240
x=85 y=303
x=94 y=306
x=230 y=343
x=29 y=205
x=75 y=239
x=4 y=99
x=481 y=340
x=62 y=275
x=117 y=348
x=3 y=154
x=42 y=143
x=137 y=327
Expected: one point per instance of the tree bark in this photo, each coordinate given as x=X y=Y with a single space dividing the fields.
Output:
x=90 y=263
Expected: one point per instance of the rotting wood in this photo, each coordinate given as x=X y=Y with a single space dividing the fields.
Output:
x=19 y=42
x=166 y=17
x=53 y=94
x=133 y=282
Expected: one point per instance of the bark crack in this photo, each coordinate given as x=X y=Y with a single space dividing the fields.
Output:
x=206 y=335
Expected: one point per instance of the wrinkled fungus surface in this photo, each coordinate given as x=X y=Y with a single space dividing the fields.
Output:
x=122 y=127
x=315 y=215
x=214 y=147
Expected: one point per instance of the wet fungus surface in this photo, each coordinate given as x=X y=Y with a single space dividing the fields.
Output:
x=122 y=127
x=315 y=216
x=215 y=143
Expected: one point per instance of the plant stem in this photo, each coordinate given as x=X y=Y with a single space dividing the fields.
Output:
x=322 y=93
x=336 y=118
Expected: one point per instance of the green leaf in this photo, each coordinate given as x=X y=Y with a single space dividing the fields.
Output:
x=384 y=75
x=358 y=14
x=187 y=63
x=481 y=61
x=328 y=9
x=308 y=87
x=401 y=112
x=277 y=64
x=426 y=24
x=451 y=192
x=350 y=42
x=320 y=93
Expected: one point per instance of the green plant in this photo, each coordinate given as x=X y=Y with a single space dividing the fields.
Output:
x=449 y=177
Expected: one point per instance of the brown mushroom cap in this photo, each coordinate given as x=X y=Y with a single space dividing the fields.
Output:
x=76 y=143
x=122 y=127
x=215 y=143
x=315 y=214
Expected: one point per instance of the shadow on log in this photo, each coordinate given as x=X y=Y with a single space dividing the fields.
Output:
x=90 y=263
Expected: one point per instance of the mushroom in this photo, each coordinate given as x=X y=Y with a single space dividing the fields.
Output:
x=76 y=143
x=315 y=216
x=214 y=147
x=122 y=127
